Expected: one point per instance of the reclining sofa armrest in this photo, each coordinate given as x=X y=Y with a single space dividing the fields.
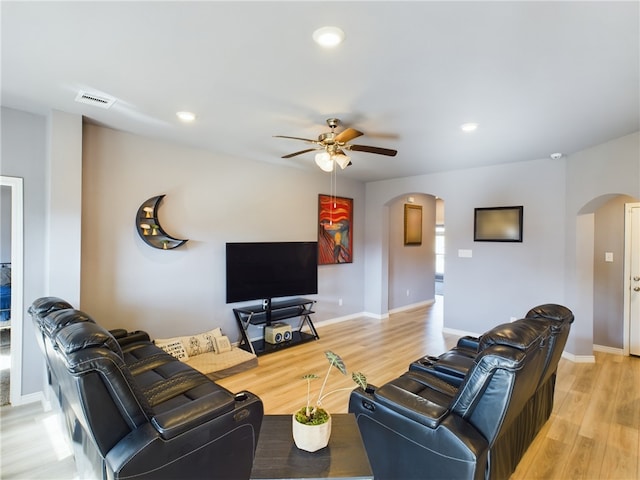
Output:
x=468 y=342
x=410 y=405
x=192 y=414
x=133 y=337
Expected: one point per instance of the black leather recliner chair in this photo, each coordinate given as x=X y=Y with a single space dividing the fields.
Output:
x=133 y=411
x=438 y=424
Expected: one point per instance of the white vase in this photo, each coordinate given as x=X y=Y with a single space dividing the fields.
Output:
x=311 y=437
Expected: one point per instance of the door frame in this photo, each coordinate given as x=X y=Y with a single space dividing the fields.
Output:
x=17 y=285
x=627 y=277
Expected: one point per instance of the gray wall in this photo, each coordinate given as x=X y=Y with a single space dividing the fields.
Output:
x=210 y=200
x=608 y=291
x=500 y=280
x=24 y=147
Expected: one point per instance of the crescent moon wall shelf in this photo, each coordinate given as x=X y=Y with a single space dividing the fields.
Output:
x=149 y=227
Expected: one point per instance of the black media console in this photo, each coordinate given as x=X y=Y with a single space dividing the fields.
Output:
x=276 y=311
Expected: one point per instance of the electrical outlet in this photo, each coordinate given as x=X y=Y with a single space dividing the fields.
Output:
x=407 y=292
x=608 y=256
x=339 y=302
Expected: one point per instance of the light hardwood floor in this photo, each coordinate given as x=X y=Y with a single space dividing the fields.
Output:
x=593 y=433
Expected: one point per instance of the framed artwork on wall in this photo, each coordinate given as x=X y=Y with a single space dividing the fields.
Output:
x=335 y=230
x=412 y=224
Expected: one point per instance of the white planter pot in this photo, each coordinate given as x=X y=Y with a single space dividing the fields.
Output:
x=311 y=437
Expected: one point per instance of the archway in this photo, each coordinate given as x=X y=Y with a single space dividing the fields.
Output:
x=600 y=265
x=411 y=262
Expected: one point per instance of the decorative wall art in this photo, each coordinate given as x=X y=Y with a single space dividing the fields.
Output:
x=335 y=230
x=412 y=224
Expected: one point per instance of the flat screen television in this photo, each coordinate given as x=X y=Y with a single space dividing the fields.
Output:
x=266 y=270
x=498 y=224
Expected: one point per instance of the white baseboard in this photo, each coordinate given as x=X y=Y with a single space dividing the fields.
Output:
x=611 y=350
x=30 y=398
x=425 y=303
x=376 y=316
x=331 y=321
x=459 y=333
x=578 y=358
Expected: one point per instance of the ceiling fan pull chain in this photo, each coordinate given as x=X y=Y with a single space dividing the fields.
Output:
x=334 y=187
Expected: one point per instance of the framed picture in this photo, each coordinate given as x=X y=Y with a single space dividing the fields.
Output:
x=497 y=224
x=412 y=224
x=335 y=230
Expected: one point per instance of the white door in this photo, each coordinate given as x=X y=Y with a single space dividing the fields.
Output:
x=633 y=251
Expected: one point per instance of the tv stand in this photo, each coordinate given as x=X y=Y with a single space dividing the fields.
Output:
x=279 y=310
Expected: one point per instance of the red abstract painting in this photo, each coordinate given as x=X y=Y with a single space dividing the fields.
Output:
x=335 y=230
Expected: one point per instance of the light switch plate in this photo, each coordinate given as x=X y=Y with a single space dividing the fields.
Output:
x=465 y=253
x=608 y=256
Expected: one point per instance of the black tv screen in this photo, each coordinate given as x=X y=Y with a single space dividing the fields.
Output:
x=498 y=224
x=265 y=270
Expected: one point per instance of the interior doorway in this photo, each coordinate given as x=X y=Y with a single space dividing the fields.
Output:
x=411 y=251
x=15 y=259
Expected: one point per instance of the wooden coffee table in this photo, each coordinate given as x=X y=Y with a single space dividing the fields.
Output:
x=277 y=457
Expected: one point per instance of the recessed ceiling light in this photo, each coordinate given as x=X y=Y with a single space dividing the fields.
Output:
x=186 y=116
x=469 y=127
x=328 y=36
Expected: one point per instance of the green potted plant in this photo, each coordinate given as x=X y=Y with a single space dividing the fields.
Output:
x=312 y=423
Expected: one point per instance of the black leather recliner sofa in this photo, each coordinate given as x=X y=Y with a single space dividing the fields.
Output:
x=470 y=413
x=133 y=411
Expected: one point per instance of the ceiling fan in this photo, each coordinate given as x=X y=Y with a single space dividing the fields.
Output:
x=332 y=145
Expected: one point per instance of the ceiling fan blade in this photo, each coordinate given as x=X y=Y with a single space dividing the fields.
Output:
x=367 y=148
x=300 y=152
x=348 y=135
x=297 y=138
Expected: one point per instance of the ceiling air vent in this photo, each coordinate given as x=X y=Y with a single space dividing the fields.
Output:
x=101 y=101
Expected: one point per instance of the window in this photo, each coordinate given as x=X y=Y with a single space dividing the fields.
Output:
x=439 y=252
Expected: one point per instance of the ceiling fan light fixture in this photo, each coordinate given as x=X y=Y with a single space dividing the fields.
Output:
x=342 y=160
x=328 y=37
x=324 y=161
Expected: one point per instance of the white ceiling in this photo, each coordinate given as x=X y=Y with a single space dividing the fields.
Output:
x=539 y=77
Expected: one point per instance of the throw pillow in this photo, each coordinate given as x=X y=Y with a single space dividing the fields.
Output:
x=201 y=342
x=173 y=347
x=222 y=344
